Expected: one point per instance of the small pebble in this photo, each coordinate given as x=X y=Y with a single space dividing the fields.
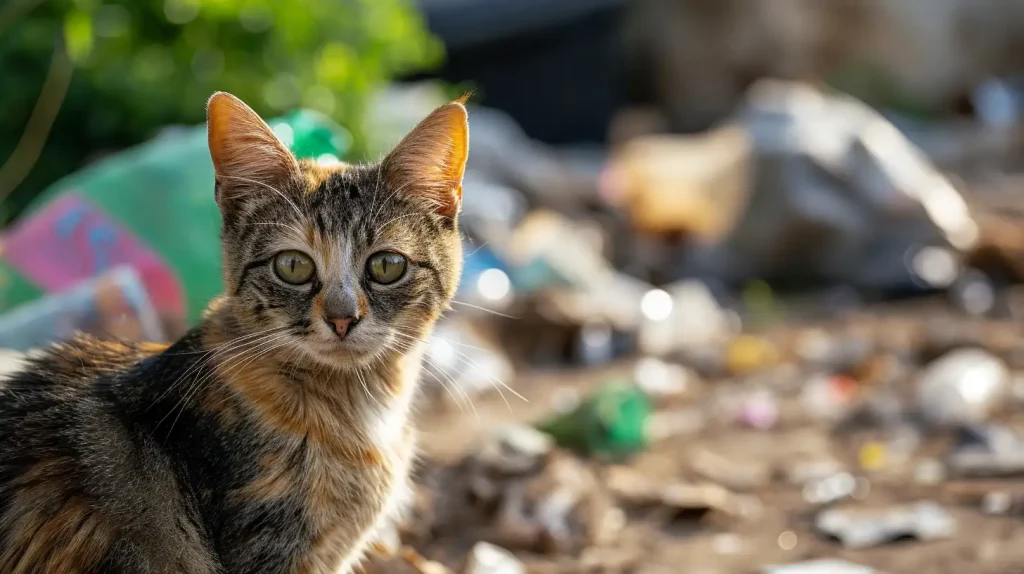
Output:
x=659 y=378
x=727 y=544
x=565 y=400
x=820 y=567
x=862 y=489
x=995 y=503
x=831 y=489
x=929 y=472
x=486 y=558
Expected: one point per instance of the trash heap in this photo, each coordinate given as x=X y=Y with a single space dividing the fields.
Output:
x=879 y=442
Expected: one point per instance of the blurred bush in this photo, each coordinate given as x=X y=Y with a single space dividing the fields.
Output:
x=139 y=65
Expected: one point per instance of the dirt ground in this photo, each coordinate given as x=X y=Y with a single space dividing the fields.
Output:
x=611 y=530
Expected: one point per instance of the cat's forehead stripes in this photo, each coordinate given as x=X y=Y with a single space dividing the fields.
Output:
x=317 y=175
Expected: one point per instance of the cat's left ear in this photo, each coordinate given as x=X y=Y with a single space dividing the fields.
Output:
x=246 y=153
x=430 y=161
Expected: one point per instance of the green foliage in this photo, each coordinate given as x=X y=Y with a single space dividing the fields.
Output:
x=144 y=64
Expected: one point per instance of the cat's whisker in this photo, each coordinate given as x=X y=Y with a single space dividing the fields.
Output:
x=452 y=383
x=214 y=348
x=198 y=383
x=235 y=343
x=403 y=346
x=266 y=346
x=474 y=252
x=358 y=372
x=426 y=342
x=485 y=309
x=466 y=358
x=197 y=387
x=366 y=388
x=270 y=187
x=285 y=362
x=451 y=395
x=494 y=381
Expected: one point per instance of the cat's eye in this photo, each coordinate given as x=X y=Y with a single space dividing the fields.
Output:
x=386 y=267
x=293 y=267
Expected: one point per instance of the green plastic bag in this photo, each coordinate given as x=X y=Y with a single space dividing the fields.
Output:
x=150 y=207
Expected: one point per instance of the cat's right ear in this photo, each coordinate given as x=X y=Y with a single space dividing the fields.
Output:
x=248 y=157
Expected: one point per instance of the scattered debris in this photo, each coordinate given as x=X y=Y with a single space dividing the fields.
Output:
x=747 y=354
x=828 y=398
x=832 y=489
x=487 y=558
x=962 y=387
x=759 y=410
x=987 y=451
x=997 y=502
x=683 y=184
x=856 y=528
x=516 y=450
x=740 y=475
x=820 y=567
x=114 y=304
x=801 y=472
x=835 y=182
x=611 y=423
x=692 y=499
x=681 y=317
x=561 y=509
x=661 y=379
x=929 y=472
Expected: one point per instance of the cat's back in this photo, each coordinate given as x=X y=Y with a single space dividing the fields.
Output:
x=76 y=480
x=60 y=388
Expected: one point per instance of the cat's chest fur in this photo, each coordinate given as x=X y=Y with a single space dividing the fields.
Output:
x=351 y=498
x=344 y=460
x=348 y=506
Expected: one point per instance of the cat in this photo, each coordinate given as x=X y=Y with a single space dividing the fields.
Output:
x=274 y=436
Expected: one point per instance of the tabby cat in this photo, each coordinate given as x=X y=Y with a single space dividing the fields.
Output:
x=273 y=437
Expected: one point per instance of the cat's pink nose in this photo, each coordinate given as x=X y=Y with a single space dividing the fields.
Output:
x=341 y=326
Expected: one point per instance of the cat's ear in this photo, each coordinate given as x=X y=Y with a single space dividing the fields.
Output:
x=430 y=161
x=245 y=151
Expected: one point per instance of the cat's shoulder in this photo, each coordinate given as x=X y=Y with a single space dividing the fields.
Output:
x=82 y=358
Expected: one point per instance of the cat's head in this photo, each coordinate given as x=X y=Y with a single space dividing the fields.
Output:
x=340 y=262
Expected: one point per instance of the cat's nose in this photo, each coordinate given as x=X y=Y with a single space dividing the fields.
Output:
x=341 y=326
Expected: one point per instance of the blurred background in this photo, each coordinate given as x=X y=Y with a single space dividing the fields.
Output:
x=742 y=287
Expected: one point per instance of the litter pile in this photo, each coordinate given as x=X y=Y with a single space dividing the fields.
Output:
x=883 y=441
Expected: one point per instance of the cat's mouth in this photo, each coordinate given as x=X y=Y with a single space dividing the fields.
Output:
x=340 y=352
